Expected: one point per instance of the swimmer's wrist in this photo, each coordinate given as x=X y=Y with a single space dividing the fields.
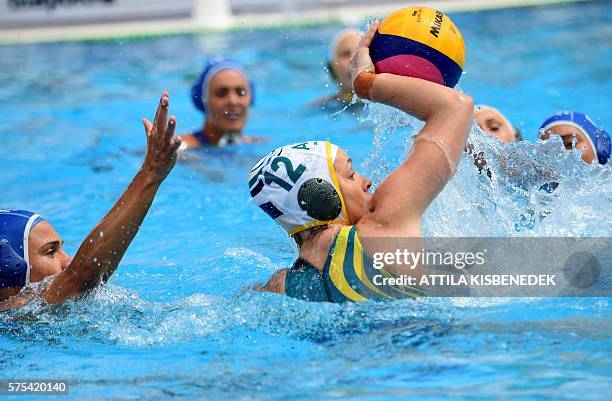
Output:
x=363 y=84
x=147 y=177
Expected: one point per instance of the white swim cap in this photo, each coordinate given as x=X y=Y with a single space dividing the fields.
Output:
x=501 y=115
x=338 y=38
x=296 y=185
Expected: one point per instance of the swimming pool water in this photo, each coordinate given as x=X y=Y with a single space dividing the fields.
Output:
x=176 y=320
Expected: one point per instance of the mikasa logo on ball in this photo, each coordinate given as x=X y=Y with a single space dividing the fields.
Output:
x=437 y=25
x=419 y=42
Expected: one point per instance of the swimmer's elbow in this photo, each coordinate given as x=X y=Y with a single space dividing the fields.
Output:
x=469 y=102
x=461 y=102
x=452 y=106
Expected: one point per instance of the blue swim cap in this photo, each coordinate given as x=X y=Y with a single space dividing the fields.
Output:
x=15 y=227
x=599 y=138
x=213 y=67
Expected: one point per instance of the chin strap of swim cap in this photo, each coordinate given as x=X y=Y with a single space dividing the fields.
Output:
x=199 y=89
x=598 y=138
x=15 y=227
x=297 y=186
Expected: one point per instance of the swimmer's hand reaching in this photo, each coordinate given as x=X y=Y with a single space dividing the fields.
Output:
x=162 y=146
x=102 y=250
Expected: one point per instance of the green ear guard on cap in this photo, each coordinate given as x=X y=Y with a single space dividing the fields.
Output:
x=319 y=199
x=296 y=185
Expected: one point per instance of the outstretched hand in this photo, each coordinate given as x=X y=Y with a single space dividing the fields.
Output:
x=162 y=145
x=361 y=60
x=98 y=256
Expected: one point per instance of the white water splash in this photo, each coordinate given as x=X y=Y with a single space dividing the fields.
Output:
x=511 y=202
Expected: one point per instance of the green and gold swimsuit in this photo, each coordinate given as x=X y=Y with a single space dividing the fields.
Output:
x=348 y=275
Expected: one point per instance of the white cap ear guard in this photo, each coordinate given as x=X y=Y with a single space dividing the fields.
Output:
x=297 y=186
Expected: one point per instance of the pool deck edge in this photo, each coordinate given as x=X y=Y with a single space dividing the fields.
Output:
x=346 y=15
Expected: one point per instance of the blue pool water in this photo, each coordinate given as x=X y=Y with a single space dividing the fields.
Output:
x=176 y=322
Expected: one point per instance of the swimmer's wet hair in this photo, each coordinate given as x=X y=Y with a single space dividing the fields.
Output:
x=309 y=234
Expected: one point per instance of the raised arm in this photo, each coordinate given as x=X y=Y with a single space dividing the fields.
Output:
x=399 y=202
x=102 y=250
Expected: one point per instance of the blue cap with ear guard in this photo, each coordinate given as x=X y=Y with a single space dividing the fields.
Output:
x=15 y=228
x=598 y=137
x=213 y=67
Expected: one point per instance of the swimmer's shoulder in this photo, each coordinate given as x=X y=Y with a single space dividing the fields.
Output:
x=316 y=256
x=275 y=284
x=189 y=141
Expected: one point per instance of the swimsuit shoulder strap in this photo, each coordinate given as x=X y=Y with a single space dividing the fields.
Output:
x=340 y=256
x=199 y=134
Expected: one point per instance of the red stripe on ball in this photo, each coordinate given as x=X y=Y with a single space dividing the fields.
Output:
x=411 y=66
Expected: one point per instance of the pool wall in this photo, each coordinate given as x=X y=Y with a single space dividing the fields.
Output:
x=55 y=20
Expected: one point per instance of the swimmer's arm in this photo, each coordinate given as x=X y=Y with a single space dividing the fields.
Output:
x=319 y=102
x=188 y=141
x=406 y=193
x=100 y=253
x=275 y=284
x=102 y=250
x=402 y=198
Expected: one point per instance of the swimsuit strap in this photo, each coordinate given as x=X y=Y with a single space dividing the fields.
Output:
x=199 y=134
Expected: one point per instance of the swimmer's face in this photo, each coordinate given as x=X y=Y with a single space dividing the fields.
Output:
x=346 y=49
x=567 y=134
x=47 y=258
x=228 y=101
x=494 y=124
x=355 y=187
